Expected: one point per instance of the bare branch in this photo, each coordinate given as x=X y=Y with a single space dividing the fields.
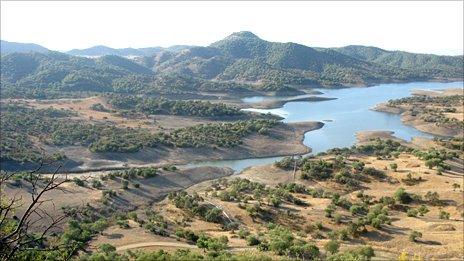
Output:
x=20 y=238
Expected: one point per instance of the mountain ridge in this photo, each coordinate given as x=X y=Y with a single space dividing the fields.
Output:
x=101 y=50
x=11 y=47
x=240 y=61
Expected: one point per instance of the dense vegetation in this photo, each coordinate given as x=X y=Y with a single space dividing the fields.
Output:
x=157 y=106
x=55 y=75
x=51 y=126
x=18 y=123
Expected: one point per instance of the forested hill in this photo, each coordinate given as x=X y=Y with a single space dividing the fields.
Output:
x=241 y=61
x=243 y=56
x=451 y=65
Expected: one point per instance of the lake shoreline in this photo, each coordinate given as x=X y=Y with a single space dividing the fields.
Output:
x=283 y=140
x=279 y=103
x=415 y=121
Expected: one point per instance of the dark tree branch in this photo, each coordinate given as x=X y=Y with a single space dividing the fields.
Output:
x=20 y=237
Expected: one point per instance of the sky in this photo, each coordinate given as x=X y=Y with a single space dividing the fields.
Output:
x=422 y=27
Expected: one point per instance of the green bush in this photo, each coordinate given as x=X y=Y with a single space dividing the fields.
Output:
x=252 y=240
x=125 y=184
x=280 y=240
x=332 y=246
x=106 y=248
x=243 y=233
x=212 y=244
x=443 y=215
x=402 y=196
x=412 y=212
x=79 y=182
x=414 y=235
x=122 y=223
x=363 y=253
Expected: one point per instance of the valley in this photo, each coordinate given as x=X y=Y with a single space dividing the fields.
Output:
x=241 y=150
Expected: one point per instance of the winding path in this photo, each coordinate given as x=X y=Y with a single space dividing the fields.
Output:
x=154 y=243
x=172 y=244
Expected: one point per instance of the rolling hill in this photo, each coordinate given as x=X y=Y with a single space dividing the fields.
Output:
x=451 y=65
x=241 y=61
x=244 y=57
x=101 y=50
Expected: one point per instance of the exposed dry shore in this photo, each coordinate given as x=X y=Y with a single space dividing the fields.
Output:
x=364 y=137
x=272 y=104
x=283 y=139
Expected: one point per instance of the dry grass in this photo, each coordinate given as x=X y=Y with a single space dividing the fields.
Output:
x=442 y=239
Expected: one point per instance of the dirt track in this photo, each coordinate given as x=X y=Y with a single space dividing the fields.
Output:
x=151 y=244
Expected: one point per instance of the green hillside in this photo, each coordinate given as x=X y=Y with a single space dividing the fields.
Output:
x=239 y=62
x=442 y=66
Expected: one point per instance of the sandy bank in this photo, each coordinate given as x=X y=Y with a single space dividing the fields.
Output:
x=272 y=104
x=283 y=139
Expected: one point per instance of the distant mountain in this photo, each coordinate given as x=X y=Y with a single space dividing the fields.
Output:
x=102 y=50
x=11 y=47
x=240 y=62
x=425 y=62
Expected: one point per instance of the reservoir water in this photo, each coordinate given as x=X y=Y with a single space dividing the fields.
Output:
x=343 y=117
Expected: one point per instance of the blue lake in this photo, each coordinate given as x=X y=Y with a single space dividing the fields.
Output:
x=343 y=117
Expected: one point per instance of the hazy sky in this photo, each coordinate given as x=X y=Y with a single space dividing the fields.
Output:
x=428 y=27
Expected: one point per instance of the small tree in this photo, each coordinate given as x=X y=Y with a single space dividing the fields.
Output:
x=402 y=196
x=125 y=184
x=433 y=197
x=332 y=246
x=252 y=240
x=275 y=201
x=358 y=166
x=243 y=233
x=394 y=166
x=329 y=210
x=79 y=182
x=106 y=248
x=412 y=212
x=96 y=183
x=432 y=162
x=213 y=215
x=123 y=223
x=423 y=210
x=444 y=215
x=280 y=239
x=414 y=235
